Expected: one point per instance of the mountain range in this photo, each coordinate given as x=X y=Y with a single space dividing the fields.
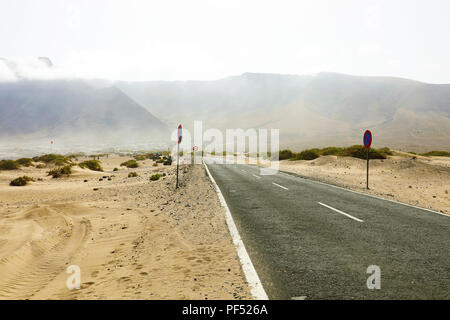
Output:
x=309 y=110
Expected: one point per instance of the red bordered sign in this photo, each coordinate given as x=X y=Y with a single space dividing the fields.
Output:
x=367 y=139
x=180 y=133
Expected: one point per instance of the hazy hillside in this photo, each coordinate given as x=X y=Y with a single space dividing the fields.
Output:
x=321 y=109
x=74 y=112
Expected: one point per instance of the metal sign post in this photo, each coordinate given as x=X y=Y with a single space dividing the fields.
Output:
x=180 y=137
x=367 y=139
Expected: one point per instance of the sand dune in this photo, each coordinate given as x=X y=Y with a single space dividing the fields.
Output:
x=132 y=238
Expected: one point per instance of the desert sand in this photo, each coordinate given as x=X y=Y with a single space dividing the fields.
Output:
x=132 y=238
x=416 y=180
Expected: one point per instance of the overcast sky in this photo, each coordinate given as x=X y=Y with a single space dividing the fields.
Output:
x=200 y=40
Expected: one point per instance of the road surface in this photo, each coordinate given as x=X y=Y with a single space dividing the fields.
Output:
x=309 y=240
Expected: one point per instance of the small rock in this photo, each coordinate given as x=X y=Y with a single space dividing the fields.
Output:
x=95 y=189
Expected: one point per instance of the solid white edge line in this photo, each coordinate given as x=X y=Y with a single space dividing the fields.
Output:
x=280 y=186
x=341 y=212
x=256 y=176
x=292 y=174
x=256 y=287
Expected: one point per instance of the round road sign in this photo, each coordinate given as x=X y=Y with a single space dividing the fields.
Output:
x=367 y=139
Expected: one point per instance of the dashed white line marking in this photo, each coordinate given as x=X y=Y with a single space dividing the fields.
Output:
x=256 y=176
x=341 y=212
x=364 y=194
x=280 y=186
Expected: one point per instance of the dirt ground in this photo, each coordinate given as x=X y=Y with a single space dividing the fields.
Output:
x=132 y=238
x=416 y=180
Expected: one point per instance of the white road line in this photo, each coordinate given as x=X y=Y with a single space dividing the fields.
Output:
x=280 y=186
x=256 y=176
x=341 y=212
x=290 y=174
x=256 y=287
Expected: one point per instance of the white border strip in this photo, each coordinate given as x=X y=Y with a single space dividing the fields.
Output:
x=293 y=174
x=256 y=287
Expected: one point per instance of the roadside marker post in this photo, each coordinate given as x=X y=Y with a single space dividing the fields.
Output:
x=367 y=139
x=194 y=150
x=180 y=137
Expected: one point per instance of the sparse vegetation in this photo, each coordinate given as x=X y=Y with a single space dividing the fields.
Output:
x=56 y=159
x=132 y=174
x=285 y=154
x=93 y=165
x=436 y=153
x=61 y=171
x=130 y=164
x=155 y=177
x=140 y=157
x=26 y=162
x=9 y=165
x=116 y=169
x=309 y=154
x=358 y=151
x=20 y=181
x=328 y=151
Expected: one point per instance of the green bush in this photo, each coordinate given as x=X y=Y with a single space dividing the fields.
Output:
x=437 y=153
x=132 y=174
x=309 y=154
x=155 y=177
x=26 y=162
x=358 y=151
x=330 y=151
x=91 y=164
x=285 y=154
x=140 y=157
x=59 y=172
x=130 y=164
x=21 y=181
x=56 y=159
x=116 y=169
x=9 y=165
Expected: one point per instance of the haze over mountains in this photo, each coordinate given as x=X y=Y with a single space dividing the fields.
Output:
x=73 y=112
x=310 y=110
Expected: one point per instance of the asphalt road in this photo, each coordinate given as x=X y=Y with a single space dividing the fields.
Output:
x=314 y=241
